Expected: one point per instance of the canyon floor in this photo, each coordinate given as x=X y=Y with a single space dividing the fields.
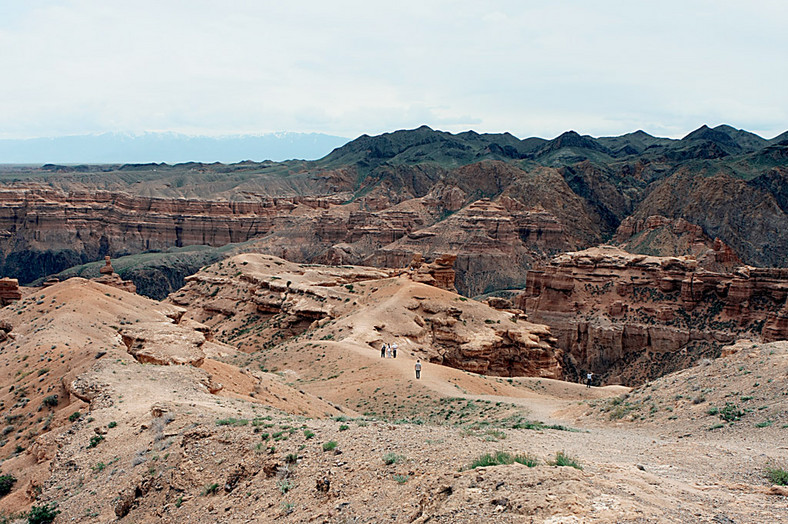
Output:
x=185 y=410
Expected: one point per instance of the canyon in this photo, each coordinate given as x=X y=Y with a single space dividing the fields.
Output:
x=498 y=203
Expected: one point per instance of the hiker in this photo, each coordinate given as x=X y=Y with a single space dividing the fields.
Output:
x=417 y=367
x=394 y=350
x=589 y=378
x=383 y=351
x=388 y=350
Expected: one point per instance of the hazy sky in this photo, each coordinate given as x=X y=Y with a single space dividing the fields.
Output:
x=533 y=68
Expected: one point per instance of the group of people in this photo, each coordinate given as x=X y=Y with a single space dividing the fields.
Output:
x=388 y=350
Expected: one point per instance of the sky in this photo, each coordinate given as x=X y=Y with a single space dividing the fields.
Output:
x=345 y=68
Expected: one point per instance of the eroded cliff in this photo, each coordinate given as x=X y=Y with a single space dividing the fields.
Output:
x=629 y=318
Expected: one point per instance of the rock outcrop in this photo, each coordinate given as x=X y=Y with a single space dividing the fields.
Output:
x=110 y=278
x=630 y=317
x=439 y=273
x=9 y=291
x=258 y=301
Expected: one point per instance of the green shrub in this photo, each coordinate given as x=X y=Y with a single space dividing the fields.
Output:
x=232 y=422
x=112 y=424
x=392 y=458
x=777 y=476
x=731 y=412
x=210 y=489
x=526 y=460
x=308 y=433
x=285 y=486
x=42 y=514
x=344 y=427
x=562 y=459
x=490 y=459
x=6 y=483
x=74 y=416
x=401 y=479
x=50 y=401
x=95 y=440
x=328 y=446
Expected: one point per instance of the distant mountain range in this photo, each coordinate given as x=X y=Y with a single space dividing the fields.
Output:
x=122 y=148
x=118 y=148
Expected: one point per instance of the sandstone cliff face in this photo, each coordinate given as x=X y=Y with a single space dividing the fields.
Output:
x=629 y=317
x=494 y=244
x=256 y=301
x=45 y=230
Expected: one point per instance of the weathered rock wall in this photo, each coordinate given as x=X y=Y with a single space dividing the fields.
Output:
x=629 y=317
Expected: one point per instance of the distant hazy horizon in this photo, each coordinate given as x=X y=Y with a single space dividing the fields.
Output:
x=172 y=148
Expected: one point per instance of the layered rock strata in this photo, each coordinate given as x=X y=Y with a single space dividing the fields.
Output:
x=631 y=317
x=9 y=291
x=257 y=301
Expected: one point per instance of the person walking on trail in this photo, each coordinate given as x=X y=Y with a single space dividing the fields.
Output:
x=589 y=378
x=383 y=351
x=417 y=367
x=394 y=350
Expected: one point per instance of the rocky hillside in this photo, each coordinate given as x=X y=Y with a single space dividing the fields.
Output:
x=208 y=407
x=499 y=203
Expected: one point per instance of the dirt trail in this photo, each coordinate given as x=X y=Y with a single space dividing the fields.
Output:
x=543 y=406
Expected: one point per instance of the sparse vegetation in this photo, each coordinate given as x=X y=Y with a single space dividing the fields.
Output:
x=330 y=445
x=42 y=514
x=562 y=459
x=6 y=484
x=492 y=459
x=210 y=489
x=232 y=422
x=527 y=460
x=95 y=440
x=777 y=475
x=392 y=458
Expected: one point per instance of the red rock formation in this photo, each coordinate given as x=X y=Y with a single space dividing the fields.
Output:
x=107 y=268
x=115 y=281
x=439 y=273
x=337 y=303
x=494 y=242
x=776 y=327
x=628 y=317
x=9 y=291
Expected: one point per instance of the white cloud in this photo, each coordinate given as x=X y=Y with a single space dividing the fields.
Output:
x=352 y=67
